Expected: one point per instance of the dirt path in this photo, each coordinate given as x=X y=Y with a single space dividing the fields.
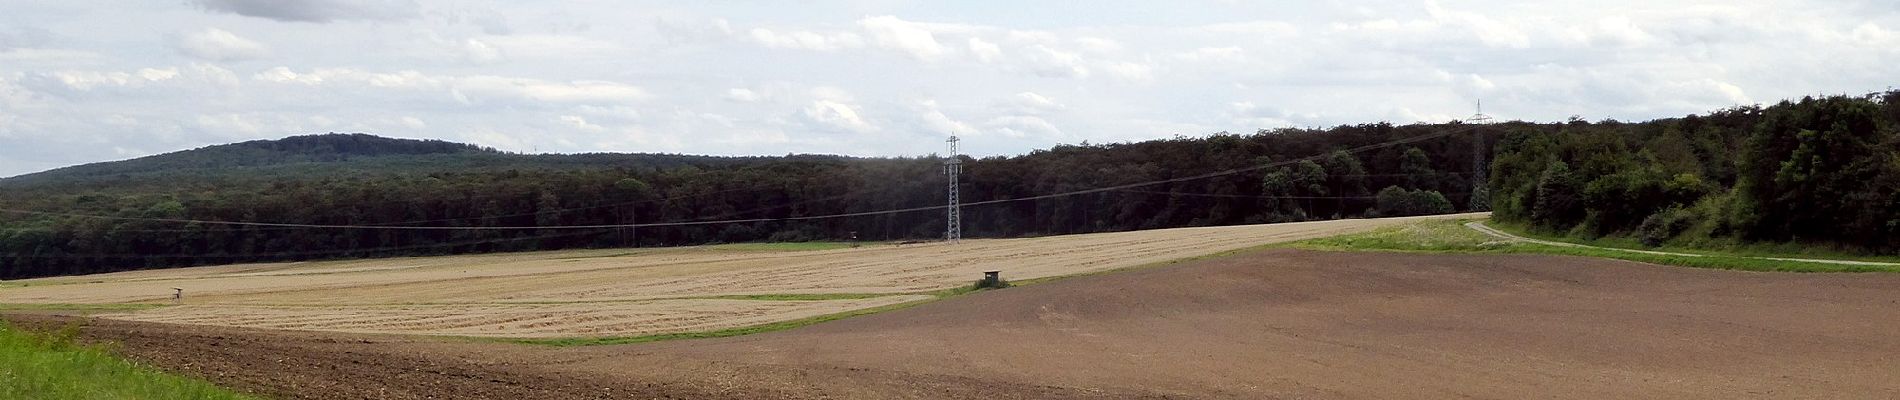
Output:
x=1275 y=324
x=1497 y=233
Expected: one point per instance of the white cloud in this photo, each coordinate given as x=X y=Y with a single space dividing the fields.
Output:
x=1033 y=103
x=1212 y=55
x=232 y=125
x=805 y=40
x=985 y=51
x=539 y=90
x=683 y=32
x=838 y=115
x=213 y=44
x=935 y=121
x=58 y=57
x=619 y=113
x=1272 y=29
x=318 y=11
x=743 y=95
x=1022 y=126
x=553 y=46
x=908 y=37
x=82 y=82
x=577 y=122
x=480 y=52
x=1099 y=45
x=1130 y=71
x=1049 y=62
x=469 y=88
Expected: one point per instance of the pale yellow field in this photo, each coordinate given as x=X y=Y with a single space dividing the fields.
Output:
x=623 y=292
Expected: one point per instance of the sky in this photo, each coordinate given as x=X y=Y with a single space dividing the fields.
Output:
x=88 y=80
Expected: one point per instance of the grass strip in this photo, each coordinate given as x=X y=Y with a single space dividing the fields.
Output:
x=52 y=365
x=1703 y=246
x=1451 y=236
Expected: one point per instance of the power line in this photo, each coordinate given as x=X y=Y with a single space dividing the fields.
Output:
x=751 y=220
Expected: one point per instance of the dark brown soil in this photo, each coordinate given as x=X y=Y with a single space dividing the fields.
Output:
x=1275 y=324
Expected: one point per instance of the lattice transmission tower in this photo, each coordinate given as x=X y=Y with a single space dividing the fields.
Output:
x=953 y=217
x=1480 y=195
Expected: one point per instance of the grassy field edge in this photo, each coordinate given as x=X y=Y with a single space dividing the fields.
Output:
x=1451 y=236
x=53 y=365
x=1717 y=248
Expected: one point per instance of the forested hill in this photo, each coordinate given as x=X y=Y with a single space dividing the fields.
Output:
x=334 y=154
x=1823 y=171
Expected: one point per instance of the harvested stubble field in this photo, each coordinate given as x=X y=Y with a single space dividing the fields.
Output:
x=602 y=293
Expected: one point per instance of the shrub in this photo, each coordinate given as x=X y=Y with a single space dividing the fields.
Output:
x=1663 y=225
x=1396 y=202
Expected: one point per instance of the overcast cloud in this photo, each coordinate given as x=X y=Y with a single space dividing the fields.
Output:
x=85 y=83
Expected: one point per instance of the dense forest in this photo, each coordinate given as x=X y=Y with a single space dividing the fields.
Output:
x=1815 y=170
x=1823 y=172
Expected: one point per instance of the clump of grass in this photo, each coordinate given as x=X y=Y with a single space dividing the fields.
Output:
x=54 y=365
x=984 y=284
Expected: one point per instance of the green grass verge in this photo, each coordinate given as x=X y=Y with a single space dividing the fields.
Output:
x=1451 y=236
x=1704 y=246
x=53 y=366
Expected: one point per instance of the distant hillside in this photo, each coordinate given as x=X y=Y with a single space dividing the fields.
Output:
x=334 y=147
x=326 y=156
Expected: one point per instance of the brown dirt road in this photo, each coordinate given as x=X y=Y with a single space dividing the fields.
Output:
x=1272 y=324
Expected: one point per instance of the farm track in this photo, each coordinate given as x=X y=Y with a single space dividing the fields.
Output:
x=1263 y=324
x=619 y=293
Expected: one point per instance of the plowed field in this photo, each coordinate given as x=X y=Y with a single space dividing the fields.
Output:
x=1276 y=324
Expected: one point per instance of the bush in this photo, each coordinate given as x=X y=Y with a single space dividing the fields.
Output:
x=1396 y=202
x=1558 y=203
x=1664 y=225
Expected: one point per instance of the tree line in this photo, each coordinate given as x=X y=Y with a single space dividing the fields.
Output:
x=1814 y=171
x=358 y=182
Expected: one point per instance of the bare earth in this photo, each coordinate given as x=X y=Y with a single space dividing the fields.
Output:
x=624 y=292
x=1269 y=324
